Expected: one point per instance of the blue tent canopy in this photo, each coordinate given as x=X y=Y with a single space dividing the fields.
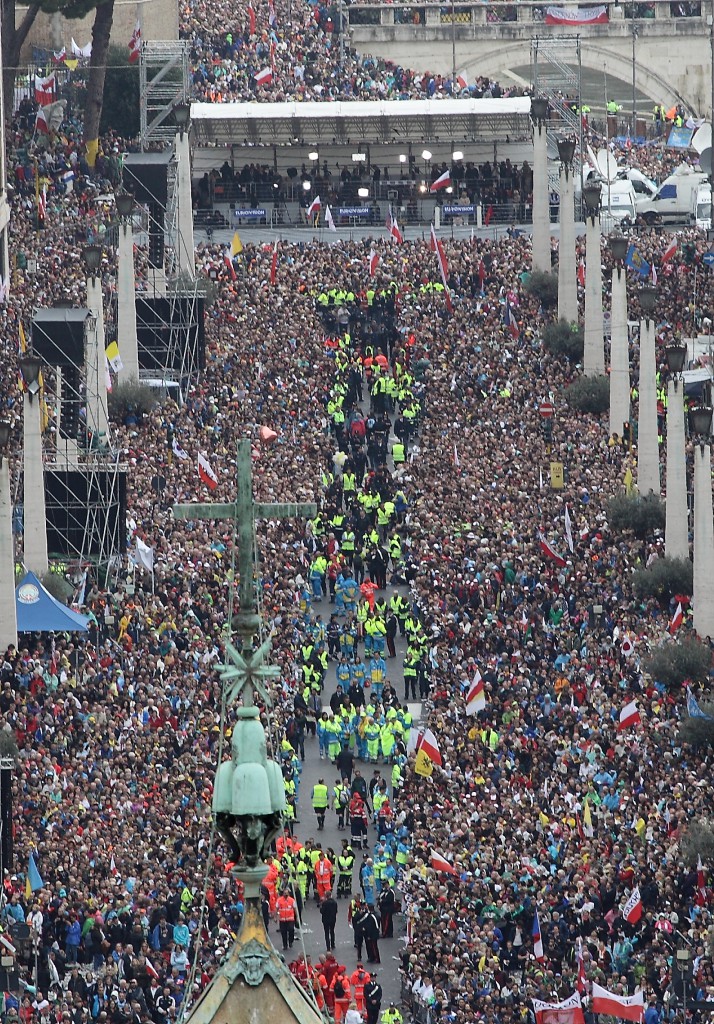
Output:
x=39 y=612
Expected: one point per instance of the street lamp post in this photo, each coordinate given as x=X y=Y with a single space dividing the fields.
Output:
x=594 y=356
x=33 y=469
x=541 y=220
x=182 y=151
x=567 y=288
x=619 y=340
x=8 y=610
x=676 y=531
x=126 y=298
x=647 y=434
x=700 y=422
x=95 y=357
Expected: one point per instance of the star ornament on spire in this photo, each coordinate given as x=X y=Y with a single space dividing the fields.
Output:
x=248 y=671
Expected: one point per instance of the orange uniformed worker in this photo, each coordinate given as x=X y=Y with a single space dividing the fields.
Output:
x=287 y=916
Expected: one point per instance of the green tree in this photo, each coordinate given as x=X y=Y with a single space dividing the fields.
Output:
x=674 y=664
x=13 y=38
x=664 y=578
x=130 y=396
x=699 y=732
x=101 y=30
x=544 y=286
x=589 y=394
x=563 y=339
x=120 y=109
x=640 y=515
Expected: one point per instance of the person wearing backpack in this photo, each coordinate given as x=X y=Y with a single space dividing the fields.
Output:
x=341 y=988
x=340 y=801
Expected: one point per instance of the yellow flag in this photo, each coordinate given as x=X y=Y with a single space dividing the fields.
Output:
x=23 y=339
x=236 y=245
x=71 y=63
x=28 y=888
x=640 y=827
x=423 y=766
x=629 y=480
x=587 y=816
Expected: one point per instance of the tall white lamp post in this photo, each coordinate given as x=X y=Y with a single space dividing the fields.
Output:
x=35 y=520
x=647 y=435
x=8 y=610
x=676 y=531
x=541 y=220
x=184 y=243
x=126 y=298
x=567 y=288
x=619 y=339
x=700 y=420
x=95 y=354
x=594 y=355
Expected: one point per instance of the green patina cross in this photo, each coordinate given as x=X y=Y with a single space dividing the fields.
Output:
x=248 y=670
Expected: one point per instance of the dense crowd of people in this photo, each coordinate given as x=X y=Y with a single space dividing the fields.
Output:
x=413 y=421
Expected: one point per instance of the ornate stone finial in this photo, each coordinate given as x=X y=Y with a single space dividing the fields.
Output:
x=248 y=670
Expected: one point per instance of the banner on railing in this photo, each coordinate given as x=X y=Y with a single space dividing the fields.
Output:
x=354 y=211
x=458 y=211
x=576 y=16
x=249 y=214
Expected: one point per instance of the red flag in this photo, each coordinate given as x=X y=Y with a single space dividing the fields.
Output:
x=264 y=77
x=135 y=44
x=570 y=1011
x=45 y=89
x=373 y=262
x=443 y=181
x=550 y=552
x=274 y=263
x=670 y=250
x=489 y=214
x=632 y=911
x=701 y=882
x=393 y=227
x=150 y=969
x=629 y=716
x=440 y=863
x=41 y=125
x=481 y=274
x=476 y=697
x=581 y=274
x=206 y=474
x=251 y=20
x=438 y=248
x=676 y=620
x=538 y=951
x=112 y=866
x=510 y=321
x=613 y=1005
x=228 y=259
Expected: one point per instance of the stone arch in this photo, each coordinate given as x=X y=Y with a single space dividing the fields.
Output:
x=517 y=52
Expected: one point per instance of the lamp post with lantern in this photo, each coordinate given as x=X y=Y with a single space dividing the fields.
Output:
x=648 y=480
x=594 y=354
x=619 y=339
x=33 y=470
x=541 y=219
x=126 y=298
x=676 y=531
x=700 y=425
x=182 y=153
x=8 y=610
x=567 y=287
x=95 y=358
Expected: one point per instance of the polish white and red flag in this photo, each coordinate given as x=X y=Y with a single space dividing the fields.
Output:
x=373 y=262
x=629 y=716
x=550 y=552
x=614 y=1005
x=569 y=1011
x=206 y=473
x=274 y=262
x=476 y=697
x=670 y=251
x=264 y=77
x=135 y=44
x=440 y=863
x=438 y=248
x=314 y=207
x=425 y=740
x=393 y=228
x=677 y=619
x=443 y=181
x=632 y=910
x=45 y=89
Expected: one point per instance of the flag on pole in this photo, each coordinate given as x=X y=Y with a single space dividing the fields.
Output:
x=314 y=207
x=632 y=910
x=670 y=251
x=144 y=555
x=693 y=709
x=549 y=551
x=581 y=983
x=489 y=214
x=41 y=124
x=443 y=181
x=33 y=875
x=476 y=697
x=701 y=881
x=206 y=474
x=373 y=262
x=440 y=863
x=462 y=80
x=45 y=89
x=274 y=263
x=135 y=44
x=150 y=969
x=329 y=219
x=251 y=19
x=59 y=56
x=510 y=321
x=264 y=77
x=112 y=354
x=112 y=865
x=622 y=1007
x=538 y=951
x=393 y=227
x=676 y=620
x=236 y=245
x=425 y=740
x=629 y=716
x=21 y=339
x=569 y=1011
x=228 y=260
x=422 y=765
x=457 y=460
x=569 y=530
x=178 y=450
x=587 y=820
x=438 y=248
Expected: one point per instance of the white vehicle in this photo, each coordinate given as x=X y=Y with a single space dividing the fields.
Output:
x=618 y=202
x=701 y=212
x=673 y=201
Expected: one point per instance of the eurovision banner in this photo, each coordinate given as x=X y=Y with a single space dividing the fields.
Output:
x=576 y=16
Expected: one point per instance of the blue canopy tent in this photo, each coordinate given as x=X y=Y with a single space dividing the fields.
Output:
x=39 y=612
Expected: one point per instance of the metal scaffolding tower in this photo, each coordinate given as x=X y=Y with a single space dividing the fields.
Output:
x=557 y=75
x=163 y=83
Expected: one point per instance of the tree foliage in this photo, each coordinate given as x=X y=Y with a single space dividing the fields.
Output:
x=664 y=578
x=544 y=286
x=120 y=108
x=101 y=30
x=641 y=516
x=674 y=664
x=57 y=586
x=699 y=732
x=563 y=339
x=589 y=394
x=130 y=396
x=698 y=841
